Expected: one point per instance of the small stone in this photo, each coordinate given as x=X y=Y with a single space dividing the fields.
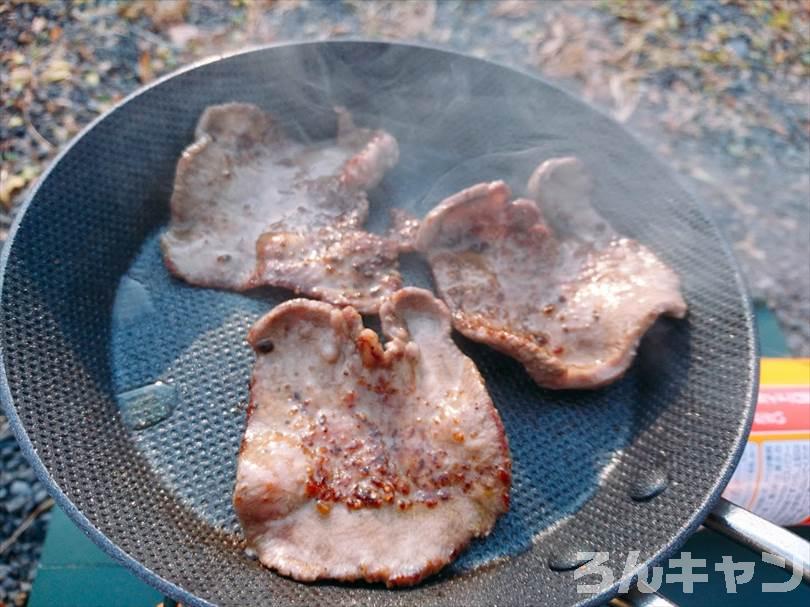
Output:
x=16 y=504
x=26 y=474
x=738 y=46
x=20 y=488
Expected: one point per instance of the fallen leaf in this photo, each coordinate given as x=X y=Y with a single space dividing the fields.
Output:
x=182 y=34
x=166 y=12
x=145 y=73
x=19 y=77
x=70 y=124
x=29 y=172
x=8 y=187
x=92 y=78
x=781 y=19
x=15 y=121
x=55 y=33
x=56 y=71
x=673 y=21
x=38 y=24
x=131 y=10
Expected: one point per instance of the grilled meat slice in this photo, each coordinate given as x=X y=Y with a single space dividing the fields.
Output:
x=362 y=461
x=552 y=286
x=243 y=182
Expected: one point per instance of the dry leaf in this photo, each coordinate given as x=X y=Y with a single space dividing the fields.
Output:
x=552 y=45
x=145 y=67
x=131 y=10
x=38 y=24
x=569 y=61
x=8 y=186
x=182 y=34
x=57 y=70
x=781 y=19
x=166 y=12
x=19 y=77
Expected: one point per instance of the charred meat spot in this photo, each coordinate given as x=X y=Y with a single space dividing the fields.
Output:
x=313 y=489
x=265 y=346
x=442 y=480
x=371 y=351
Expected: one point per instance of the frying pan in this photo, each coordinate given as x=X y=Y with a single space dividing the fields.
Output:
x=127 y=389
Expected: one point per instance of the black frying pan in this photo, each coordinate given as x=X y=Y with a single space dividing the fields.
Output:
x=127 y=389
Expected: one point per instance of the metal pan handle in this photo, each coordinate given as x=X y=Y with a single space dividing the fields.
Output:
x=635 y=598
x=754 y=532
x=749 y=530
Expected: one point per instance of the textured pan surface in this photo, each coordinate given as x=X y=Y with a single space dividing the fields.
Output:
x=89 y=313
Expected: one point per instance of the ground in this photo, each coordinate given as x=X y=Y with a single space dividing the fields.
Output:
x=718 y=89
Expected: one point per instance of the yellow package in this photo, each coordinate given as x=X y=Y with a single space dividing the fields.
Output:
x=773 y=476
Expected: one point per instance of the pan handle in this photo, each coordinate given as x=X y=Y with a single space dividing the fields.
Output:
x=747 y=529
x=635 y=598
x=754 y=532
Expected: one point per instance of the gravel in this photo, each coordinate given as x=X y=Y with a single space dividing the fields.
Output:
x=20 y=494
x=718 y=89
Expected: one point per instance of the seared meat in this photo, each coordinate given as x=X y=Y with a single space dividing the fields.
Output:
x=403 y=230
x=243 y=192
x=347 y=267
x=361 y=461
x=554 y=286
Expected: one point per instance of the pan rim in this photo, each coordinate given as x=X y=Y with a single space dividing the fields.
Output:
x=178 y=593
